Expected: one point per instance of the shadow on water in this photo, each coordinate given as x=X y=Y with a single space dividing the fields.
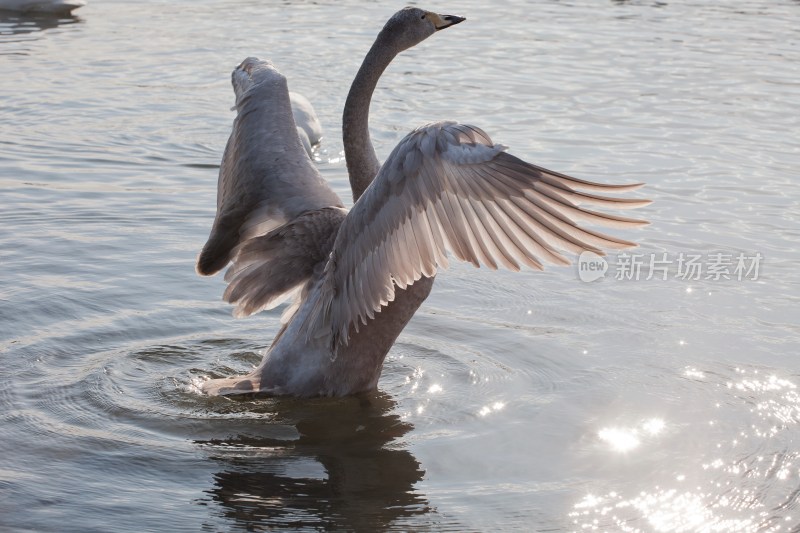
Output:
x=18 y=24
x=339 y=470
x=656 y=3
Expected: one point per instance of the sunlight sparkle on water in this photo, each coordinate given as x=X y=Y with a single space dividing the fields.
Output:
x=692 y=372
x=737 y=490
x=486 y=409
x=620 y=439
x=623 y=439
x=654 y=426
x=664 y=510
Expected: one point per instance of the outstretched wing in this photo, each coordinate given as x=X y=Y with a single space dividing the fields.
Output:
x=447 y=188
x=266 y=180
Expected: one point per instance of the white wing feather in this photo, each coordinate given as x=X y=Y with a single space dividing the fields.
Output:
x=447 y=188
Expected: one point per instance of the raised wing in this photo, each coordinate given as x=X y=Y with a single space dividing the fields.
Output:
x=266 y=180
x=269 y=268
x=448 y=188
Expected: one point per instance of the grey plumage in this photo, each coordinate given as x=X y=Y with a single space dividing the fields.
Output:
x=268 y=268
x=358 y=277
x=262 y=185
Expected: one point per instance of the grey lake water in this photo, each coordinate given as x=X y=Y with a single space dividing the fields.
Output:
x=661 y=397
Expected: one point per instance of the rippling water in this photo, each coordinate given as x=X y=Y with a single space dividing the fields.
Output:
x=530 y=400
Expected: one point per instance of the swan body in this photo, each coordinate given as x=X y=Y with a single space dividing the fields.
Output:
x=308 y=125
x=303 y=136
x=55 y=7
x=356 y=277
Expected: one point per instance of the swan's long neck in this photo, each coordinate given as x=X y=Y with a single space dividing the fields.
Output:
x=362 y=162
x=368 y=347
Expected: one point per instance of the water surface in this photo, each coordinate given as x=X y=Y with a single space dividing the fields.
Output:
x=512 y=401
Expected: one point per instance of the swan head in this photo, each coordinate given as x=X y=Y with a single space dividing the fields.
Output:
x=412 y=25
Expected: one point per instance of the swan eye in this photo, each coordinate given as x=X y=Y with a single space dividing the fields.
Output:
x=423 y=17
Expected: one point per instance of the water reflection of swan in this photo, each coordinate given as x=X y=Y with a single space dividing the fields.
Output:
x=445 y=188
x=337 y=475
x=54 y=7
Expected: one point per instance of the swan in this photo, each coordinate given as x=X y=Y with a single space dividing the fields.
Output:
x=54 y=7
x=356 y=277
x=308 y=125
x=303 y=136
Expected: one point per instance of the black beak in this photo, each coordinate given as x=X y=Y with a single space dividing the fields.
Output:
x=449 y=20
